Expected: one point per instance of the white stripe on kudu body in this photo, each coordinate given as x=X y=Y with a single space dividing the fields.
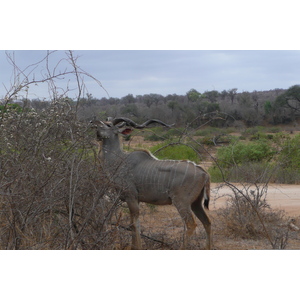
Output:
x=143 y=178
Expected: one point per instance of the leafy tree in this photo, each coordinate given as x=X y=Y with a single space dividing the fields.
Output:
x=290 y=98
x=248 y=111
x=224 y=94
x=193 y=95
x=212 y=95
x=128 y=99
x=268 y=107
x=255 y=99
x=172 y=105
x=156 y=98
x=232 y=94
x=244 y=99
x=207 y=107
x=148 y=100
x=130 y=110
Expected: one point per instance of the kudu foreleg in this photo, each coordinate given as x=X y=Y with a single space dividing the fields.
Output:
x=136 y=243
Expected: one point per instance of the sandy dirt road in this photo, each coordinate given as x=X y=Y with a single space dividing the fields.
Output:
x=281 y=196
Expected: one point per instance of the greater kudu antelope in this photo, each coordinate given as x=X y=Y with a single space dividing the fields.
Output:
x=143 y=178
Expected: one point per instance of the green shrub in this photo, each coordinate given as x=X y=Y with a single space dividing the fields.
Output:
x=174 y=132
x=207 y=131
x=261 y=136
x=11 y=107
x=162 y=134
x=239 y=153
x=206 y=141
x=174 y=151
x=274 y=129
x=216 y=174
x=253 y=132
x=277 y=160
x=289 y=156
x=154 y=138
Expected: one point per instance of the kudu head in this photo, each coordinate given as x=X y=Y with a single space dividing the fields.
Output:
x=123 y=126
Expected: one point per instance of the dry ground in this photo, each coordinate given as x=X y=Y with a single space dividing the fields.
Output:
x=162 y=227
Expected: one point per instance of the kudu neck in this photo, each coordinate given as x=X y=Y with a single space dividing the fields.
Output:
x=111 y=150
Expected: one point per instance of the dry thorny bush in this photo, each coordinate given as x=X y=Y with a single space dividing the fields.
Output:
x=247 y=215
x=53 y=192
x=52 y=189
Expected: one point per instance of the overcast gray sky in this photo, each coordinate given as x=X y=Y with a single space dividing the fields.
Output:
x=158 y=25
x=167 y=72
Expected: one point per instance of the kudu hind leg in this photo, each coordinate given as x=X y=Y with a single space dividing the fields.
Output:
x=201 y=214
x=136 y=243
x=189 y=221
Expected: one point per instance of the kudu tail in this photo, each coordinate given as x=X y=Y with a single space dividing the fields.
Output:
x=207 y=193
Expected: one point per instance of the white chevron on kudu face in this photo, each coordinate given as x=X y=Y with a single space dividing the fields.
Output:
x=143 y=178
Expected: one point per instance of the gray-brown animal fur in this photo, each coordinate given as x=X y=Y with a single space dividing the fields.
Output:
x=143 y=178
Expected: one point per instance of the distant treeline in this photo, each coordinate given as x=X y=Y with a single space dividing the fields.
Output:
x=277 y=106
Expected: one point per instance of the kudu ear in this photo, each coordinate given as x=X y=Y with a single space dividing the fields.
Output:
x=125 y=131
